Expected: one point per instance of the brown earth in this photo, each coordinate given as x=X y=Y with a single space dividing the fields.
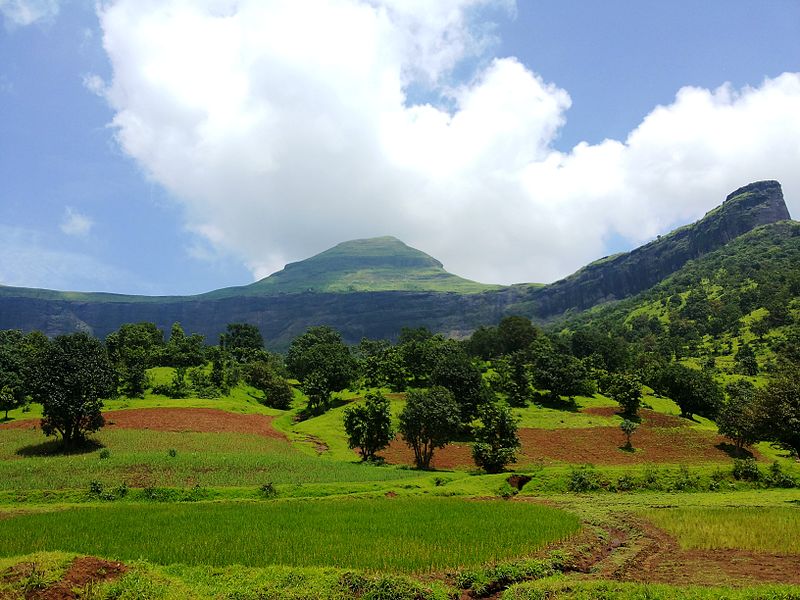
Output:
x=203 y=420
x=650 y=418
x=81 y=575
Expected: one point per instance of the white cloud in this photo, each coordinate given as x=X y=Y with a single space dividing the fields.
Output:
x=28 y=259
x=27 y=12
x=75 y=223
x=285 y=129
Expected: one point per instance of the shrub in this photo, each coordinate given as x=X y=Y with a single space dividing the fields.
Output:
x=268 y=490
x=746 y=469
x=104 y=453
x=584 y=479
x=172 y=452
x=777 y=478
x=496 y=439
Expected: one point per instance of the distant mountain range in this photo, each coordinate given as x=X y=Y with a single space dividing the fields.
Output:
x=374 y=287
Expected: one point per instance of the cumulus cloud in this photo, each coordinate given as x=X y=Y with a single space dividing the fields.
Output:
x=26 y=12
x=75 y=223
x=285 y=127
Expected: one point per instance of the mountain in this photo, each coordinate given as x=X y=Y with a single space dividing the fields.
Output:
x=371 y=265
x=374 y=287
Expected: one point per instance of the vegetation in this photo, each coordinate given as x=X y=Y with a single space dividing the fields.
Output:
x=428 y=421
x=369 y=426
x=496 y=439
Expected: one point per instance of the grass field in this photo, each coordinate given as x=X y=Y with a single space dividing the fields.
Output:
x=768 y=529
x=399 y=534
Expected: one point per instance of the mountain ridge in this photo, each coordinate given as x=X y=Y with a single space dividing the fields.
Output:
x=354 y=287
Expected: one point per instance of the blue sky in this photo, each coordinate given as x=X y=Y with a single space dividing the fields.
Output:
x=155 y=147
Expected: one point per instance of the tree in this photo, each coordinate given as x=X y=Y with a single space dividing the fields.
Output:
x=516 y=333
x=12 y=370
x=513 y=378
x=626 y=390
x=182 y=352
x=321 y=351
x=738 y=418
x=695 y=392
x=277 y=391
x=241 y=340
x=561 y=374
x=746 y=362
x=134 y=348
x=453 y=369
x=369 y=425
x=429 y=420
x=70 y=380
x=779 y=405
x=496 y=439
x=628 y=427
x=318 y=390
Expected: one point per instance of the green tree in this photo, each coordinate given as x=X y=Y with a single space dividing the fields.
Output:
x=12 y=370
x=316 y=387
x=242 y=341
x=182 y=352
x=496 y=439
x=626 y=390
x=453 y=369
x=429 y=420
x=513 y=378
x=695 y=392
x=321 y=351
x=369 y=425
x=779 y=406
x=746 y=362
x=516 y=333
x=72 y=376
x=738 y=417
x=628 y=427
x=134 y=348
x=277 y=391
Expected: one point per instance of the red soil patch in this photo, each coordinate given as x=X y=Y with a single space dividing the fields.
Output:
x=650 y=418
x=82 y=573
x=203 y=420
x=449 y=457
x=601 y=446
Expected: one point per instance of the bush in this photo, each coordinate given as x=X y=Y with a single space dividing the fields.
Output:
x=584 y=479
x=268 y=490
x=746 y=469
x=496 y=439
x=777 y=478
x=104 y=453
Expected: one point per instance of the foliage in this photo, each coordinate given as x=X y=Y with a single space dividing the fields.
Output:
x=277 y=391
x=746 y=362
x=628 y=427
x=70 y=380
x=695 y=392
x=242 y=341
x=429 y=420
x=738 y=418
x=626 y=390
x=12 y=371
x=496 y=439
x=513 y=378
x=452 y=369
x=779 y=403
x=369 y=426
x=321 y=360
x=183 y=352
x=134 y=348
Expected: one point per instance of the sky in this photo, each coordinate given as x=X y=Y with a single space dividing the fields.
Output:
x=179 y=146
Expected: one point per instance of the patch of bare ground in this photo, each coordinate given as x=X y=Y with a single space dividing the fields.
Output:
x=449 y=457
x=201 y=420
x=603 y=446
x=83 y=573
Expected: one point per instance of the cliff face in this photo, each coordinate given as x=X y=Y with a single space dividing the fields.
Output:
x=632 y=272
x=446 y=303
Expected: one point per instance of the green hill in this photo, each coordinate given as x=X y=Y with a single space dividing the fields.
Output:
x=369 y=265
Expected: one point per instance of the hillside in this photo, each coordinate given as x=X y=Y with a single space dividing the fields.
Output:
x=370 y=265
x=374 y=287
